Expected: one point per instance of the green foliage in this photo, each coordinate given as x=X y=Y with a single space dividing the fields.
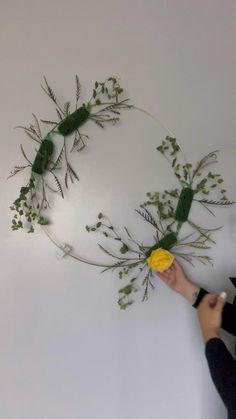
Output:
x=106 y=98
x=147 y=217
x=104 y=106
x=124 y=248
x=25 y=214
x=194 y=177
x=109 y=89
x=165 y=212
x=125 y=300
x=171 y=151
x=164 y=203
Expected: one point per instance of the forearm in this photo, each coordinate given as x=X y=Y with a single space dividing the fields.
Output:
x=223 y=371
x=190 y=291
x=228 y=314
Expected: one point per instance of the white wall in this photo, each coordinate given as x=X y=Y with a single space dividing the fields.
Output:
x=66 y=350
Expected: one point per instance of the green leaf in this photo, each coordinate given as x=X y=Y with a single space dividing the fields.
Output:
x=42 y=221
x=126 y=290
x=124 y=248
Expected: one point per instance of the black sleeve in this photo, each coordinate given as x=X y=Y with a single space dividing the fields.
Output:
x=228 y=315
x=223 y=372
x=229 y=319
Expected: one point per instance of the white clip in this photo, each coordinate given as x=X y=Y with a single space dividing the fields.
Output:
x=64 y=250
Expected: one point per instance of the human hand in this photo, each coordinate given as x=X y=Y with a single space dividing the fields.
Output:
x=178 y=281
x=210 y=315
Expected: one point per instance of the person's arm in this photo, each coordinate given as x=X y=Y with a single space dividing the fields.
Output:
x=222 y=368
x=178 y=281
x=228 y=314
x=221 y=364
x=210 y=309
x=229 y=319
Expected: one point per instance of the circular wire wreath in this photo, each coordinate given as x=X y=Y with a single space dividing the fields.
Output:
x=165 y=211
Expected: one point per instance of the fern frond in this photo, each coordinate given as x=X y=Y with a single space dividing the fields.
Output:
x=59 y=187
x=24 y=155
x=59 y=114
x=98 y=123
x=66 y=180
x=48 y=90
x=37 y=126
x=147 y=282
x=67 y=108
x=59 y=159
x=33 y=131
x=222 y=202
x=147 y=217
x=73 y=174
x=78 y=89
x=48 y=122
x=77 y=140
x=28 y=132
x=50 y=93
x=17 y=169
x=50 y=188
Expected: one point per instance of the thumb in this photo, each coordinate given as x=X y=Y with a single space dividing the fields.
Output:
x=209 y=300
x=221 y=301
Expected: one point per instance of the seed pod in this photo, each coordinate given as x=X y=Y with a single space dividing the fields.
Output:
x=73 y=121
x=184 y=204
x=43 y=157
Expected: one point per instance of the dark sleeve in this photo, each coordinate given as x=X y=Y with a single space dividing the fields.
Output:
x=229 y=319
x=228 y=315
x=223 y=372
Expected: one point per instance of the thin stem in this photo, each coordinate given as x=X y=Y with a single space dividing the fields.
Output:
x=74 y=256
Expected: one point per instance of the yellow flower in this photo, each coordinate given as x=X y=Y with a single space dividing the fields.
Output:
x=160 y=260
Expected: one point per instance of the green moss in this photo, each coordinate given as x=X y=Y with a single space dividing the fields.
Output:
x=43 y=157
x=73 y=121
x=184 y=204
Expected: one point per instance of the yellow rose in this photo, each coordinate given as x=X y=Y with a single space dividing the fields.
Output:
x=160 y=260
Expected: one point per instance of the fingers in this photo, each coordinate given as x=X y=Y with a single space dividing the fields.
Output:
x=223 y=295
x=166 y=273
x=221 y=301
x=161 y=275
x=214 y=301
x=177 y=266
x=164 y=276
x=209 y=300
